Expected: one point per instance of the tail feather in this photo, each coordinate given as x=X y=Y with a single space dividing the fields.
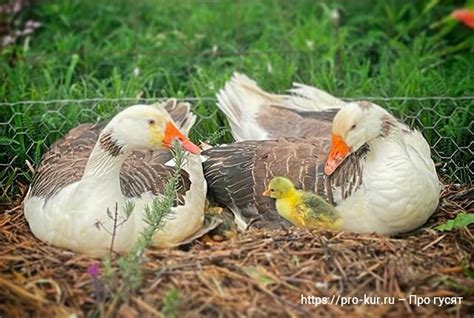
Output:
x=240 y=100
x=316 y=98
x=180 y=112
x=254 y=114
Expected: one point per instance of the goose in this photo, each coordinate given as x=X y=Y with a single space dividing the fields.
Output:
x=375 y=169
x=86 y=179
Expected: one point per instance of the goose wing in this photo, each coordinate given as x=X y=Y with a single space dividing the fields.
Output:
x=237 y=175
x=65 y=161
x=143 y=170
x=254 y=114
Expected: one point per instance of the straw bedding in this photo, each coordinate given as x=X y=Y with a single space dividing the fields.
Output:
x=257 y=273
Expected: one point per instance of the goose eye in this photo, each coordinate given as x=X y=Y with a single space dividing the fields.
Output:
x=151 y=122
x=353 y=127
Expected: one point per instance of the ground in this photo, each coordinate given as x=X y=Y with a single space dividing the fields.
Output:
x=150 y=49
x=258 y=273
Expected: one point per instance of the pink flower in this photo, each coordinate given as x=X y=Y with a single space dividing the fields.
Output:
x=465 y=16
x=94 y=270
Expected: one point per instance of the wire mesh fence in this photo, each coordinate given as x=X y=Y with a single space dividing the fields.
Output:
x=28 y=128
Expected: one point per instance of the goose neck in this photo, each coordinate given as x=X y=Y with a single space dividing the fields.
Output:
x=106 y=159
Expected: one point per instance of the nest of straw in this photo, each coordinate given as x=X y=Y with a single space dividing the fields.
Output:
x=257 y=273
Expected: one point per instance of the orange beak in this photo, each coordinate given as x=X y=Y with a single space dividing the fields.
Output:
x=339 y=151
x=172 y=133
x=266 y=193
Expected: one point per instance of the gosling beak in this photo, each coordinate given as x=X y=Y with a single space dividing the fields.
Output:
x=338 y=152
x=266 y=193
x=172 y=133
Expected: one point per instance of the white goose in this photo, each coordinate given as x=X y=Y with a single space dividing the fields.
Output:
x=399 y=187
x=379 y=173
x=93 y=169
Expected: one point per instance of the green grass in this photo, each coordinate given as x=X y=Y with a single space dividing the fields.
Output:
x=89 y=49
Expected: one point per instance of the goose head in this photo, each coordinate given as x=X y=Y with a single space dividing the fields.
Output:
x=279 y=188
x=353 y=126
x=146 y=127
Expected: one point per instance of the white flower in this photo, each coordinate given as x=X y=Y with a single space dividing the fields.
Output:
x=136 y=71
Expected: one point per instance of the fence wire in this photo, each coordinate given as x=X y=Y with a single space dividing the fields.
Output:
x=28 y=128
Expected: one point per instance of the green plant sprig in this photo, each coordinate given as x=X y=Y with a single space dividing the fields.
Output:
x=155 y=216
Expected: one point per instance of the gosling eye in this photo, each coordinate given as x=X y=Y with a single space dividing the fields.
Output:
x=151 y=122
x=272 y=190
x=353 y=127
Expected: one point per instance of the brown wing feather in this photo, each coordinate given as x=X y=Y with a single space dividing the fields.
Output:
x=178 y=111
x=143 y=170
x=181 y=113
x=282 y=122
x=65 y=161
x=237 y=174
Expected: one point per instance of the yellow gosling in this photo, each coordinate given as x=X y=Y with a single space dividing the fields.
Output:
x=303 y=209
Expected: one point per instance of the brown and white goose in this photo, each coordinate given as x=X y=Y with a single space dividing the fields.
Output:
x=379 y=172
x=95 y=168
